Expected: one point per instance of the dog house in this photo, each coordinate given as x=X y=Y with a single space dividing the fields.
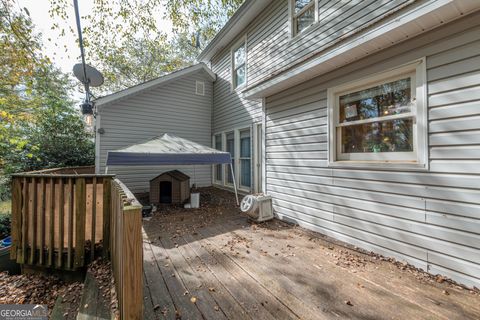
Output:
x=172 y=187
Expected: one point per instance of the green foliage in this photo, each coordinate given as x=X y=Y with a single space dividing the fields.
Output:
x=5 y=220
x=39 y=127
x=127 y=41
x=5 y=226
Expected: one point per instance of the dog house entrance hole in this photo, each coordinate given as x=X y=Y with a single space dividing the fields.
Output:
x=165 y=192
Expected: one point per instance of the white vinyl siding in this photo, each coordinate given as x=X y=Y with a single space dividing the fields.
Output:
x=151 y=113
x=430 y=219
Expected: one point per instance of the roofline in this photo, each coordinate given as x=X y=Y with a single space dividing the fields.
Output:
x=154 y=82
x=356 y=46
x=240 y=19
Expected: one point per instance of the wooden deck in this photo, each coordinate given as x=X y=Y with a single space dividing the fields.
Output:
x=213 y=263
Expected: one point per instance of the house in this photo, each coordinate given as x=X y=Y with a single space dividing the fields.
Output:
x=360 y=118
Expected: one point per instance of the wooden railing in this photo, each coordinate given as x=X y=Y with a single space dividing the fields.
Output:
x=59 y=220
x=65 y=218
x=127 y=251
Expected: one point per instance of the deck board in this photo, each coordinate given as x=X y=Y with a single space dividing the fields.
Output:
x=237 y=269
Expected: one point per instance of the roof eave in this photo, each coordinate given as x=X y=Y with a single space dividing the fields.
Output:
x=240 y=19
x=155 y=82
x=341 y=55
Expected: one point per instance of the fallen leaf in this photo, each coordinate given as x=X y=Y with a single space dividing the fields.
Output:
x=349 y=303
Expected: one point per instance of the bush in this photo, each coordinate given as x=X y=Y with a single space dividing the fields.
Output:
x=5 y=226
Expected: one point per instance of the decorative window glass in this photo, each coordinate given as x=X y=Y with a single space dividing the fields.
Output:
x=230 y=147
x=379 y=121
x=245 y=158
x=239 y=71
x=303 y=15
x=218 y=167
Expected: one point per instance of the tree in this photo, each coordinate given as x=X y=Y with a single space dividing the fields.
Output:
x=128 y=44
x=39 y=127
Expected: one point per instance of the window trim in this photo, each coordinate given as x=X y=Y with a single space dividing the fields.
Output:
x=226 y=168
x=240 y=158
x=292 y=16
x=241 y=42
x=214 y=172
x=420 y=134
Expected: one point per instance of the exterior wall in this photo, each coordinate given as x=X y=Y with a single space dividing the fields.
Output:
x=230 y=110
x=430 y=219
x=272 y=49
x=172 y=108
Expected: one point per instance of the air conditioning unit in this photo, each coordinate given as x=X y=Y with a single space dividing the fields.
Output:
x=257 y=207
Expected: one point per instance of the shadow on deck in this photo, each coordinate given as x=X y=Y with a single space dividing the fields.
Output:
x=212 y=263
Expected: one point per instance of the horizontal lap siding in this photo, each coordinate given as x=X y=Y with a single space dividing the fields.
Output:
x=172 y=108
x=274 y=50
x=431 y=219
x=230 y=110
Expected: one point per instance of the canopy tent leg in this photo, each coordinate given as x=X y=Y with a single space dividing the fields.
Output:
x=234 y=183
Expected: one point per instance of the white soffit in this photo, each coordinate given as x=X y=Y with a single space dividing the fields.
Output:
x=414 y=22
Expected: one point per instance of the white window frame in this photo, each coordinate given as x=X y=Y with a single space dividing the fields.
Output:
x=226 y=168
x=240 y=158
x=235 y=47
x=214 y=170
x=416 y=160
x=293 y=16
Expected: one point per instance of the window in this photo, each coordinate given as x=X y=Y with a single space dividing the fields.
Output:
x=381 y=119
x=245 y=158
x=239 y=66
x=230 y=147
x=218 y=176
x=303 y=14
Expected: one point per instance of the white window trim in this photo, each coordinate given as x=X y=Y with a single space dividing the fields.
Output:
x=292 y=16
x=238 y=44
x=378 y=161
x=249 y=129
x=236 y=132
x=227 y=168
x=222 y=147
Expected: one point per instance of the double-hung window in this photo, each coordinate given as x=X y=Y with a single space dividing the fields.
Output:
x=303 y=14
x=230 y=147
x=218 y=167
x=245 y=158
x=239 y=65
x=380 y=120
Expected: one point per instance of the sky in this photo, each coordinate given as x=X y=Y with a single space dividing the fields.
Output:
x=63 y=50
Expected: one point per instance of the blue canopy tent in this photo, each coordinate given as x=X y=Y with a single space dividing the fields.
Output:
x=169 y=149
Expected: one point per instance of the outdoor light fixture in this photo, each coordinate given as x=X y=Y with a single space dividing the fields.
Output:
x=88 y=75
x=88 y=112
